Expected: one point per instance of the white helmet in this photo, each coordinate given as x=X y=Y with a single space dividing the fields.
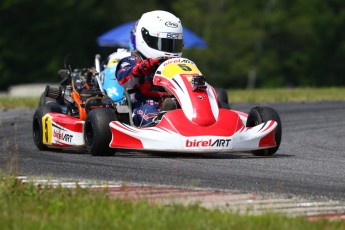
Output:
x=159 y=34
x=115 y=57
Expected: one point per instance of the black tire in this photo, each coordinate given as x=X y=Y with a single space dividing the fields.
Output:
x=45 y=100
x=222 y=95
x=37 y=129
x=97 y=134
x=223 y=98
x=258 y=115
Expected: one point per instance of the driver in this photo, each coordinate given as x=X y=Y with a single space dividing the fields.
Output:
x=158 y=34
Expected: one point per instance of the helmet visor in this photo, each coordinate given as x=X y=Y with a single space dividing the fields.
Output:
x=170 y=45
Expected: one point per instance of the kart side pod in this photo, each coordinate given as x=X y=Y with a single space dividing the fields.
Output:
x=61 y=131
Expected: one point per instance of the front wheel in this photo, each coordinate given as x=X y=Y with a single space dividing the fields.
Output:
x=97 y=133
x=258 y=115
x=37 y=128
x=223 y=98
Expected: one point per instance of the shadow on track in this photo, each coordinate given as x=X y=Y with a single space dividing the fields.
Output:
x=174 y=155
x=170 y=155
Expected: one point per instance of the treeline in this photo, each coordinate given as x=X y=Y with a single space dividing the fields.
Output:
x=252 y=43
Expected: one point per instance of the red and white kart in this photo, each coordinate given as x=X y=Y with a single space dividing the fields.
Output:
x=192 y=120
x=199 y=124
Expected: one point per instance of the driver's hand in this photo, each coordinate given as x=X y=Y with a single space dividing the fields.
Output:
x=164 y=94
x=145 y=67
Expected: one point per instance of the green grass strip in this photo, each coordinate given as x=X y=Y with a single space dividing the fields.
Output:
x=18 y=102
x=287 y=95
x=25 y=206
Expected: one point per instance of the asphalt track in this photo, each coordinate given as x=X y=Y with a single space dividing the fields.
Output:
x=310 y=162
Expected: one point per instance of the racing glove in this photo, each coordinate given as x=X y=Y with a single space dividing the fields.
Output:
x=145 y=67
x=164 y=95
x=148 y=90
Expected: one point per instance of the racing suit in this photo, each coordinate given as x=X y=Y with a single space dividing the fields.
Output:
x=136 y=73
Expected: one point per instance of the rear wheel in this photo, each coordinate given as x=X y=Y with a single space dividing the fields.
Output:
x=97 y=132
x=45 y=100
x=37 y=128
x=258 y=115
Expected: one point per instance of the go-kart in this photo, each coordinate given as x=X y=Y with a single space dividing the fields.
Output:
x=191 y=120
x=58 y=122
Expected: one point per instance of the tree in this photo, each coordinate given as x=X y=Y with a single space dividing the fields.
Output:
x=274 y=42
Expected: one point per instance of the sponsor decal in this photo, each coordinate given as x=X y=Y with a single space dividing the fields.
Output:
x=112 y=91
x=187 y=61
x=63 y=136
x=171 y=61
x=173 y=35
x=178 y=60
x=124 y=64
x=208 y=143
x=46 y=129
x=145 y=116
x=171 y=24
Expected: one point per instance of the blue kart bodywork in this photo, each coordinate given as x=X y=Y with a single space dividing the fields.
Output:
x=108 y=79
x=110 y=84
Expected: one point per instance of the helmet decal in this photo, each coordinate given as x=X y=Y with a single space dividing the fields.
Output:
x=171 y=24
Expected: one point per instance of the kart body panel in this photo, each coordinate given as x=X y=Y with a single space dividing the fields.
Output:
x=62 y=131
x=176 y=133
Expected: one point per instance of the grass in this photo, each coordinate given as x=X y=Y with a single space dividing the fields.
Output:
x=235 y=96
x=18 y=102
x=25 y=206
x=287 y=94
